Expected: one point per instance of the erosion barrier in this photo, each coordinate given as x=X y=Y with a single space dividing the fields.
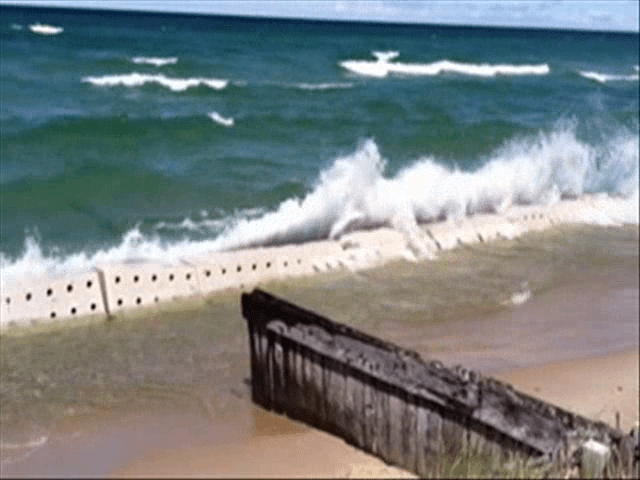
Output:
x=388 y=401
x=110 y=289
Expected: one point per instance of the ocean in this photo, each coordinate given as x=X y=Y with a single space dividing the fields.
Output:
x=128 y=136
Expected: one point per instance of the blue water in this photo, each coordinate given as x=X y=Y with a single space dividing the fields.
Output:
x=128 y=135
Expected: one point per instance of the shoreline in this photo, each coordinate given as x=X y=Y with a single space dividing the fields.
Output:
x=108 y=289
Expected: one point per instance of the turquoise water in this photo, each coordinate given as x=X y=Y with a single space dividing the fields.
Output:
x=127 y=135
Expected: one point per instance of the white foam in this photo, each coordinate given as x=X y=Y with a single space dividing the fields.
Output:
x=383 y=67
x=139 y=79
x=15 y=26
x=220 y=120
x=324 y=86
x=606 y=77
x=354 y=193
x=155 y=61
x=386 y=56
x=42 y=29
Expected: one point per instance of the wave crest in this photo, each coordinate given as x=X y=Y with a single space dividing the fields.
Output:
x=43 y=29
x=354 y=193
x=139 y=79
x=383 y=67
x=606 y=77
x=155 y=61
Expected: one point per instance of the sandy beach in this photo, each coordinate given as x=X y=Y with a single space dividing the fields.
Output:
x=596 y=387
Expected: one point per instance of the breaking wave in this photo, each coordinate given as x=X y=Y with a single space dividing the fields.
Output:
x=606 y=77
x=139 y=79
x=354 y=193
x=42 y=29
x=155 y=61
x=383 y=67
x=220 y=120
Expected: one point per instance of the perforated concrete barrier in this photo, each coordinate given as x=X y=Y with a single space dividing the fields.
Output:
x=142 y=284
x=52 y=299
x=138 y=285
x=453 y=233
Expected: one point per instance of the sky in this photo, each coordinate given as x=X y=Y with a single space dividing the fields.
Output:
x=608 y=15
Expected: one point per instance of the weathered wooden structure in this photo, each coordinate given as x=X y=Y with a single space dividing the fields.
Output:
x=388 y=401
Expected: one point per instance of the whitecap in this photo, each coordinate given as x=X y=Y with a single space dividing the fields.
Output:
x=354 y=193
x=155 y=61
x=383 y=67
x=607 y=77
x=139 y=79
x=220 y=120
x=324 y=86
x=42 y=29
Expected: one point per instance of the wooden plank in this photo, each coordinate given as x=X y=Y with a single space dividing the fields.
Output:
x=354 y=411
x=409 y=433
x=398 y=431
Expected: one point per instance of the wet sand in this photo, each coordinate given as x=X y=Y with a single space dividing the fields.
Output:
x=596 y=387
x=167 y=395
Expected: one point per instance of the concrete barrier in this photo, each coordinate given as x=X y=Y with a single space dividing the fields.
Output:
x=54 y=299
x=135 y=285
x=452 y=233
x=132 y=286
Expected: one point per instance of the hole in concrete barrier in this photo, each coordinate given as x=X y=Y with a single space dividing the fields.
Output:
x=89 y=283
x=28 y=296
x=117 y=279
x=207 y=273
x=268 y=264
x=156 y=299
x=171 y=277
x=138 y=300
x=93 y=306
x=480 y=238
x=119 y=302
x=526 y=217
x=286 y=264
x=49 y=292
x=299 y=261
x=224 y=270
x=254 y=266
x=238 y=268
x=154 y=277
x=69 y=288
x=73 y=310
x=136 y=278
x=8 y=300
x=53 y=315
x=188 y=276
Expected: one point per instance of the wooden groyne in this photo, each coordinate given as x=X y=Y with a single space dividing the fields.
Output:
x=388 y=401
